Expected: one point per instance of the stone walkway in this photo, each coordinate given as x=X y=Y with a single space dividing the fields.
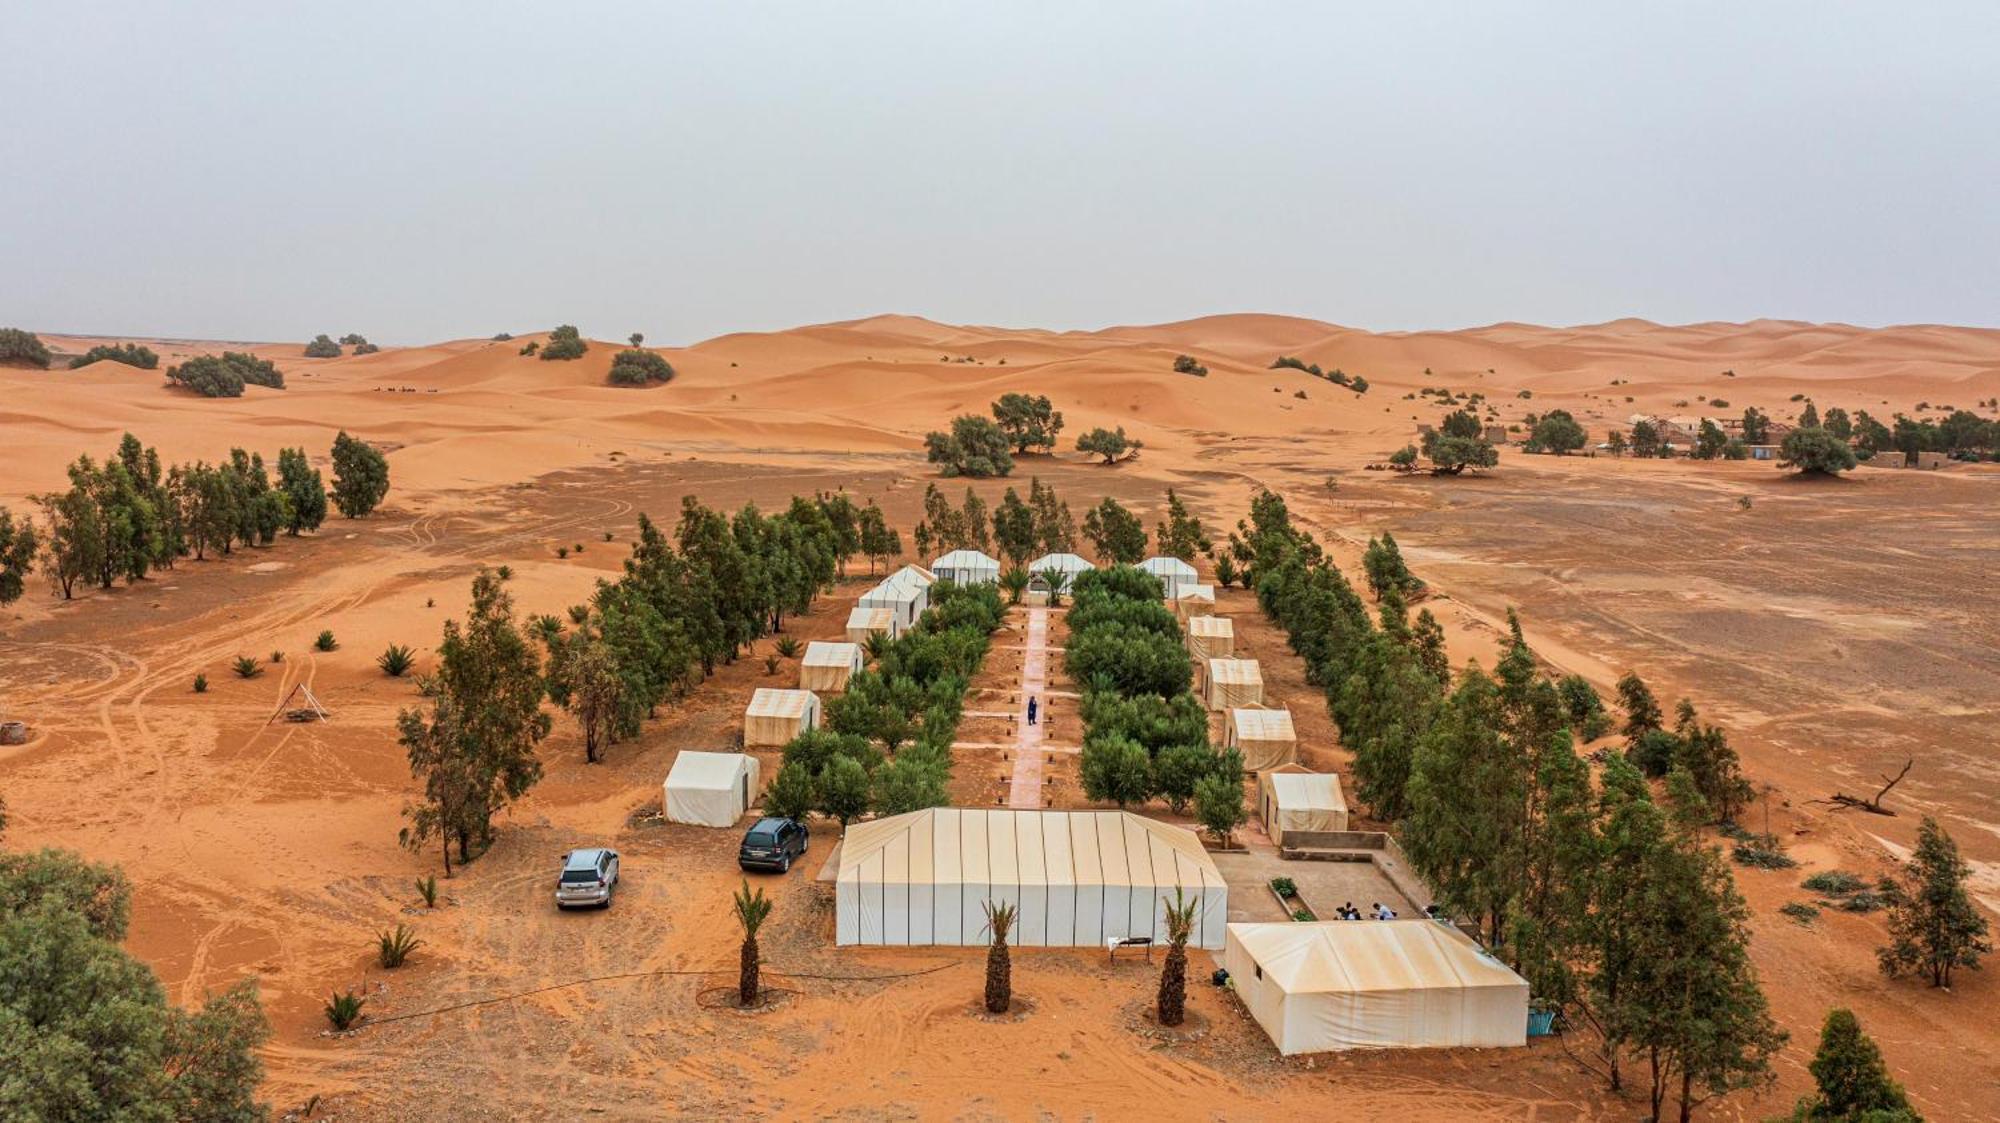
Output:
x=1025 y=790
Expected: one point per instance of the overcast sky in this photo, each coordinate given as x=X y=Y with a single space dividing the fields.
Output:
x=421 y=171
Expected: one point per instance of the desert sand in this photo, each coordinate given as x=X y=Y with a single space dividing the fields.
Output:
x=1835 y=628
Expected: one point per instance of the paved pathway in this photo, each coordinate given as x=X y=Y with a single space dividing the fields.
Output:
x=1025 y=791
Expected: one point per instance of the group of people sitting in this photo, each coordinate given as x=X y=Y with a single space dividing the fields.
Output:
x=1376 y=911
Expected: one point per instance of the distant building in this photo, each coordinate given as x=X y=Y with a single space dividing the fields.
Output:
x=1496 y=434
x=1764 y=452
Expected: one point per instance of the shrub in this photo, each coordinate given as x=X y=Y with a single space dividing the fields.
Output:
x=396 y=661
x=325 y=642
x=1186 y=364
x=530 y=347
x=565 y=343
x=974 y=447
x=1108 y=443
x=1834 y=883
x=343 y=1010
x=1867 y=900
x=131 y=354
x=1763 y=854
x=562 y=551
x=502 y=336
x=322 y=348
x=787 y=646
x=770 y=664
x=1800 y=911
x=277 y=657
x=246 y=667
x=427 y=888
x=392 y=948
x=17 y=346
x=225 y=375
x=201 y=684
x=1284 y=887
x=1303 y=916
x=639 y=368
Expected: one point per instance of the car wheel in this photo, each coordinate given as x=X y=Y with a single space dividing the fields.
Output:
x=805 y=844
x=785 y=865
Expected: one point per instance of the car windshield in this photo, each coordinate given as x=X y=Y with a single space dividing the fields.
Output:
x=761 y=838
x=574 y=877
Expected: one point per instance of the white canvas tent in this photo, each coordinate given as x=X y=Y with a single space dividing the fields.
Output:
x=711 y=789
x=1194 y=599
x=1068 y=565
x=1174 y=574
x=865 y=622
x=967 y=567
x=826 y=667
x=776 y=716
x=1300 y=801
x=1363 y=984
x=1078 y=878
x=904 y=594
x=1231 y=683
x=1264 y=737
x=1210 y=637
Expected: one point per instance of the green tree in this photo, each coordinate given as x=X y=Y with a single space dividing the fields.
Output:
x=1616 y=443
x=1756 y=426
x=879 y=541
x=322 y=347
x=304 y=490
x=1179 y=531
x=1709 y=441
x=1014 y=529
x=1839 y=424
x=1646 y=440
x=1642 y=710
x=1816 y=451
x=1934 y=927
x=1853 y=1082
x=1385 y=569
x=360 y=476
x=23 y=348
x=1117 y=533
x=752 y=910
x=1467 y=795
x=1559 y=432
x=973 y=447
x=1171 y=1005
x=18 y=546
x=1176 y=772
x=565 y=343
x=1218 y=803
x=1116 y=770
x=131 y=354
x=1108 y=443
x=1458 y=443
x=638 y=368
x=844 y=789
x=1055 y=529
x=583 y=678
x=1029 y=421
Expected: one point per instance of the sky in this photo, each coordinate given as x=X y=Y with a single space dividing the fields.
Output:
x=424 y=171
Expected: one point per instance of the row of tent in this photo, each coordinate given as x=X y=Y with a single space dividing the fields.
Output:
x=1178 y=579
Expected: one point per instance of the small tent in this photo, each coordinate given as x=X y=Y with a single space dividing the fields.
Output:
x=1174 y=574
x=1264 y=737
x=827 y=666
x=1300 y=801
x=865 y=622
x=710 y=789
x=1210 y=637
x=1370 y=984
x=1231 y=683
x=1078 y=878
x=967 y=567
x=904 y=594
x=776 y=716
x=1195 y=600
x=1064 y=566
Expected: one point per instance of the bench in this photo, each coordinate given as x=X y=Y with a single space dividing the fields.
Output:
x=1113 y=943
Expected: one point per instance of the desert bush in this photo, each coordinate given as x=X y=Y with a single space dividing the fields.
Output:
x=277 y=657
x=562 y=551
x=343 y=1010
x=639 y=368
x=973 y=447
x=770 y=664
x=325 y=642
x=322 y=347
x=787 y=646
x=396 y=660
x=201 y=684
x=1186 y=364
x=1763 y=854
x=1867 y=900
x=1284 y=887
x=1834 y=883
x=502 y=336
x=246 y=667
x=565 y=343
x=1303 y=916
x=530 y=347
x=225 y=375
x=1800 y=911
x=427 y=888
x=17 y=346
x=392 y=948
x=131 y=354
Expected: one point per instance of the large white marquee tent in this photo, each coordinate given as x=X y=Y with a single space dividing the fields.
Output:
x=710 y=789
x=905 y=593
x=1370 y=984
x=967 y=567
x=1079 y=878
x=1174 y=574
x=1067 y=565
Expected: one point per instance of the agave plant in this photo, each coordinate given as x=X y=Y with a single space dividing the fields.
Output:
x=325 y=642
x=396 y=661
x=1172 y=1008
x=751 y=913
x=392 y=948
x=999 y=968
x=770 y=664
x=246 y=667
x=787 y=646
x=427 y=888
x=344 y=1009
x=201 y=684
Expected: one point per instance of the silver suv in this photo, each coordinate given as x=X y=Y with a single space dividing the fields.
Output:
x=588 y=877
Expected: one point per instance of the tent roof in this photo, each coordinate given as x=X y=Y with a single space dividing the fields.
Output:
x=1306 y=791
x=822 y=654
x=1060 y=847
x=709 y=771
x=1234 y=672
x=965 y=559
x=1353 y=956
x=1169 y=567
x=874 y=618
x=914 y=575
x=769 y=701
x=1198 y=592
x=894 y=591
x=1211 y=626
x=1068 y=563
x=1263 y=725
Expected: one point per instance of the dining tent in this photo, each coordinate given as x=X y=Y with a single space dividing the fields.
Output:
x=1064 y=566
x=967 y=567
x=776 y=716
x=710 y=789
x=826 y=667
x=1174 y=574
x=1210 y=637
x=1078 y=878
x=1300 y=801
x=1264 y=737
x=865 y=622
x=1231 y=683
x=1369 y=984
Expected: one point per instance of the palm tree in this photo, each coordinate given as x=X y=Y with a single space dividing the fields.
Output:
x=877 y=644
x=751 y=912
x=1015 y=582
x=1173 y=974
x=999 y=969
x=1054 y=578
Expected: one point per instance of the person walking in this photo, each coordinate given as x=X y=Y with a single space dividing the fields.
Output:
x=1031 y=709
